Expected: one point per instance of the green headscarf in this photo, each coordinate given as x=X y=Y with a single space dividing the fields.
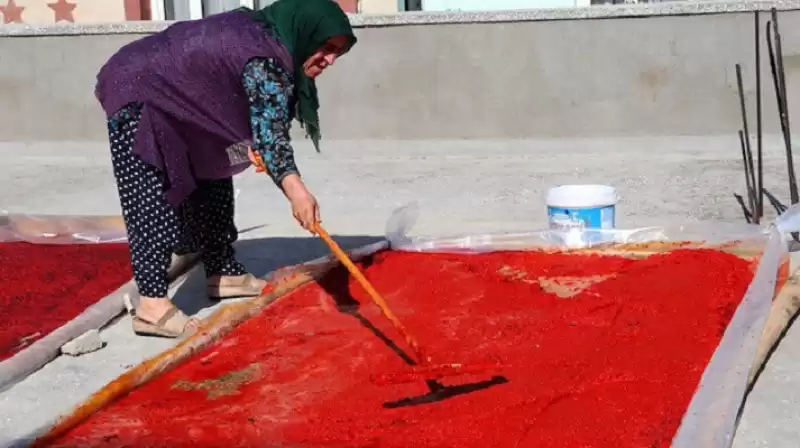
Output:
x=304 y=26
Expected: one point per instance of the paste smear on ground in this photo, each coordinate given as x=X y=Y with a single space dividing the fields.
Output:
x=611 y=361
x=47 y=285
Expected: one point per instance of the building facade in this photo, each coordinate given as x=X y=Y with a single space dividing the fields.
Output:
x=106 y=11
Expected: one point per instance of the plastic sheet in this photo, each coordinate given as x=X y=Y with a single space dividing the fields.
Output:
x=61 y=229
x=711 y=419
x=699 y=235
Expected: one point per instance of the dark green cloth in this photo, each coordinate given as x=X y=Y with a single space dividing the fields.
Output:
x=304 y=26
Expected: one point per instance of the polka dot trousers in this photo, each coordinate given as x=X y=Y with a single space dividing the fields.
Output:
x=203 y=222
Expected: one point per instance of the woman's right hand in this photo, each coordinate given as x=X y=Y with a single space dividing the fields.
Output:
x=305 y=208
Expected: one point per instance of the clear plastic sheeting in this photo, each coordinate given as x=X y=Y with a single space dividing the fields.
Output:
x=61 y=229
x=699 y=234
x=711 y=419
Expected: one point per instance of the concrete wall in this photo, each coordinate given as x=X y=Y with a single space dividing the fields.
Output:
x=428 y=76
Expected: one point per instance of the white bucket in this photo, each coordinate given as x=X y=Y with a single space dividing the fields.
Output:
x=582 y=207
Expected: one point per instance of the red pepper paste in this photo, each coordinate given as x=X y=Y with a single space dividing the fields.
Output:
x=612 y=364
x=47 y=285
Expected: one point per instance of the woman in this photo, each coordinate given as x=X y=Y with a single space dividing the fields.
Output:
x=185 y=107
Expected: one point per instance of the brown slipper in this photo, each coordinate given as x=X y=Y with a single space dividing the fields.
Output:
x=251 y=286
x=171 y=325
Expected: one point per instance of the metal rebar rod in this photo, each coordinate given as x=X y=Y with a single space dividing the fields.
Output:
x=759 y=212
x=744 y=137
x=740 y=200
x=780 y=208
x=784 y=109
x=748 y=185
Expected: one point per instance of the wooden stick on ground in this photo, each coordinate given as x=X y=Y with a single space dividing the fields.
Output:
x=783 y=312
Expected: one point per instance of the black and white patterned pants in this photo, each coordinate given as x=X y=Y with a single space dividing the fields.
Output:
x=203 y=222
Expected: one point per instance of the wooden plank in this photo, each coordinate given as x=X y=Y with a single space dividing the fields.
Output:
x=784 y=311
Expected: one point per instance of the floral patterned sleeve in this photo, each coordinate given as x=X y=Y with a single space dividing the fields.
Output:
x=269 y=89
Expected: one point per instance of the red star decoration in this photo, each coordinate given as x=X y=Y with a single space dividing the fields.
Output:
x=63 y=10
x=11 y=12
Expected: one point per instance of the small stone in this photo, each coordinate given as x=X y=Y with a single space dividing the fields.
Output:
x=85 y=343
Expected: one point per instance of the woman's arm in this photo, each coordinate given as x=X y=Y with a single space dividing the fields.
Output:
x=269 y=89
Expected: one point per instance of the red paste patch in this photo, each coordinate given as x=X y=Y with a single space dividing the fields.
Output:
x=612 y=364
x=44 y=286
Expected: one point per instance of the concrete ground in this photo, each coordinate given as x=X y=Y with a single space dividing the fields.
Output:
x=461 y=186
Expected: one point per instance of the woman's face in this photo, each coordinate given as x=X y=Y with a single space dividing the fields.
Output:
x=325 y=56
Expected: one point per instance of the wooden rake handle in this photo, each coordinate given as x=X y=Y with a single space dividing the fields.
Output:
x=355 y=272
x=255 y=159
x=373 y=294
